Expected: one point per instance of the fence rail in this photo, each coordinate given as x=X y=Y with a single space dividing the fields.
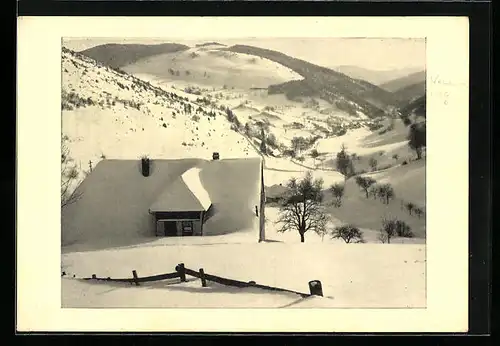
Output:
x=237 y=283
x=137 y=279
x=181 y=271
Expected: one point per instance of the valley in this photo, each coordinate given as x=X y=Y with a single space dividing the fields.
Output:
x=174 y=101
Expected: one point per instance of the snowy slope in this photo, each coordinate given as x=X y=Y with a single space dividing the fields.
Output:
x=129 y=118
x=214 y=67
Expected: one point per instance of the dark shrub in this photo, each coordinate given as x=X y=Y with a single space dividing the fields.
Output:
x=403 y=229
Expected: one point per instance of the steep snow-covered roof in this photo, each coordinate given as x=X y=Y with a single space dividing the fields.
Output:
x=192 y=179
x=186 y=193
x=116 y=197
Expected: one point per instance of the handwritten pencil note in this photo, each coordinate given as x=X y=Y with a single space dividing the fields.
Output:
x=445 y=89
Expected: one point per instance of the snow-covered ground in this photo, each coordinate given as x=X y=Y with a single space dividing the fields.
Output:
x=353 y=275
x=211 y=66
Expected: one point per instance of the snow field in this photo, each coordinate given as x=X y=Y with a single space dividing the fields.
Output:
x=352 y=275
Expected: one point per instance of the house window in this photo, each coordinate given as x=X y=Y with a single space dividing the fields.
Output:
x=187 y=227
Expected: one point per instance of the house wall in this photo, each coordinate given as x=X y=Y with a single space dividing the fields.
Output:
x=194 y=217
x=197 y=231
x=196 y=228
x=160 y=229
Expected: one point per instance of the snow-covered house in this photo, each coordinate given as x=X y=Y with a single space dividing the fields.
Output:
x=134 y=198
x=183 y=206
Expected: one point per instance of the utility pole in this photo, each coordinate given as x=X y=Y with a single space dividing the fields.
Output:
x=262 y=220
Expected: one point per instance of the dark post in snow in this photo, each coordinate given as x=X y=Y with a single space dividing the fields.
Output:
x=262 y=220
x=134 y=273
x=202 y=277
x=145 y=165
x=182 y=271
x=315 y=288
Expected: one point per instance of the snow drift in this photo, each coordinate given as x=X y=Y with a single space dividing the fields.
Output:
x=116 y=197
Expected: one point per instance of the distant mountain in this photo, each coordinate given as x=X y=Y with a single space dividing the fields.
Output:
x=416 y=107
x=375 y=77
x=209 y=44
x=118 y=55
x=346 y=93
x=405 y=81
x=410 y=93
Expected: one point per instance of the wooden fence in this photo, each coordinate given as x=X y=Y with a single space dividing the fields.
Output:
x=181 y=271
x=231 y=282
x=136 y=279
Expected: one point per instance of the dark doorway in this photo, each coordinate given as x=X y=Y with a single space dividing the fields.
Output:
x=170 y=228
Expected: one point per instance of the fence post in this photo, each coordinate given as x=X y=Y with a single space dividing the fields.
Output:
x=315 y=288
x=182 y=271
x=134 y=273
x=202 y=277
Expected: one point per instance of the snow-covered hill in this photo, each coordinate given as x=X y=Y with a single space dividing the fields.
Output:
x=108 y=114
x=211 y=66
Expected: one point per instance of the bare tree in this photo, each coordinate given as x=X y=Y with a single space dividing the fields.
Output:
x=322 y=232
x=365 y=183
x=373 y=191
x=418 y=212
x=382 y=237
x=388 y=230
x=386 y=193
x=301 y=209
x=348 y=233
x=417 y=138
x=338 y=191
x=403 y=229
x=69 y=177
x=314 y=154
x=410 y=207
x=344 y=162
x=299 y=144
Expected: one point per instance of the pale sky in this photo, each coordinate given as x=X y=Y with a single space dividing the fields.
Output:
x=369 y=53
